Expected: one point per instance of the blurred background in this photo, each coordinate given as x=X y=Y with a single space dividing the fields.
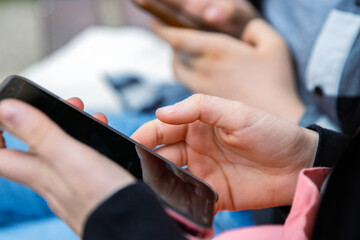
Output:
x=88 y=48
x=32 y=29
x=76 y=47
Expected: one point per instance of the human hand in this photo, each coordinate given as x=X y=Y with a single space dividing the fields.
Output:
x=72 y=177
x=257 y=71
x=74 y=101
x=250 y=157
x=229 y=15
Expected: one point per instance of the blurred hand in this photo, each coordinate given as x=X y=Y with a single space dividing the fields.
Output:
x=72 y=177
x=250 y=157
x=229 y=15
x=257 y=70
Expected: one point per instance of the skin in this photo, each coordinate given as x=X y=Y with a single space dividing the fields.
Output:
x=257 y=70
x=252 y=158
x=230 y=15
x=54 y=164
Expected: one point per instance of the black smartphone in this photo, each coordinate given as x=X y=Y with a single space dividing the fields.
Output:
x=187 y=199
x=168 y=14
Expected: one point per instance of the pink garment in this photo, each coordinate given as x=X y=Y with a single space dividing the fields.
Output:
x=300 y=222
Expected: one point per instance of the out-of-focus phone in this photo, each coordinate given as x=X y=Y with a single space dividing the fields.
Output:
x=187 y=199
x=168 y=14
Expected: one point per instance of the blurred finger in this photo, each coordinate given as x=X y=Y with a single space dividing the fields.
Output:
x=19 y=166
x=261 y=34
x=32 y=126
x=189 y=73
x=101 y=117
x=76 y=102
x=220 y=12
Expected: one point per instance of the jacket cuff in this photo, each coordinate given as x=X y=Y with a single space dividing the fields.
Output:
x=331 y=146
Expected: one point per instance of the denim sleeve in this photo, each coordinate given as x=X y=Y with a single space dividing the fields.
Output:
x=313 y=115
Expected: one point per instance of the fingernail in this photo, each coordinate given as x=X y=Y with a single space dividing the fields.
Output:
x=167 y=109
x=8 y=113
x=214 y=13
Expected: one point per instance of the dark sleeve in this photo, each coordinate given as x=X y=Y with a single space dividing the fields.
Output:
x=131 y=213
x=339 y=212
x=331 y=146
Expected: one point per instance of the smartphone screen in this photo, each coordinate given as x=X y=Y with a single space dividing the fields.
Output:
x=187 y=199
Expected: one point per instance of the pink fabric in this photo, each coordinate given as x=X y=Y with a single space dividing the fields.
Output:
x=299 y=224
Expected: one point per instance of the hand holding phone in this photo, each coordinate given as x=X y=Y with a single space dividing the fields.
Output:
x=170 y=14
x=180 y=192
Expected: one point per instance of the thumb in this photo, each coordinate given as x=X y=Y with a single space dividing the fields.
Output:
x=261 y=34
x=31 y=126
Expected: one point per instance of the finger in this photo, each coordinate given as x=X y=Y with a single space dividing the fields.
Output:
x=184 y=40
x=261 y=34
x=184 y=72
x=191 y=74
x=213 y=12
x=218 y=112
x=76 y=102
x=155 y=133
x=218 y=13
x=19 y=166
x=174 y=152
x=101 y=117
x=32 y=126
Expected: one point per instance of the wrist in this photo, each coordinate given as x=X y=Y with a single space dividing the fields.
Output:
x=303 y=157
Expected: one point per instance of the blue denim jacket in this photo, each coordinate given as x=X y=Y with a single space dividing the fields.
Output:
x=324 y=38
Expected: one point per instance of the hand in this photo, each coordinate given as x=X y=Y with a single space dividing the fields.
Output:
x=76 y=102
x=257 y=71
x=229 y=15
x=250 y=157
x=72 y=177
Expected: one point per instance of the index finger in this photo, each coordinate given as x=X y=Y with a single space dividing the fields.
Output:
x=218 y=112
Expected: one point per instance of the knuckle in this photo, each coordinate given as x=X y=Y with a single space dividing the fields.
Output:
x=277 y=42
x=199 y=98
x=176 y=42
x=37 y=135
